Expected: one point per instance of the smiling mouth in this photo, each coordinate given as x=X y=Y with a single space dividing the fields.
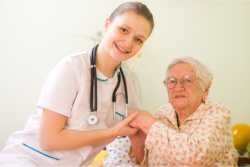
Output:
x=120 y=49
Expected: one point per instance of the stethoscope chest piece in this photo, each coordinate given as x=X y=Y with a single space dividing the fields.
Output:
x=92 y=119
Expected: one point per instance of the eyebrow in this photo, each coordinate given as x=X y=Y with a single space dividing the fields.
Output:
x=141 y=36
x=181 y=76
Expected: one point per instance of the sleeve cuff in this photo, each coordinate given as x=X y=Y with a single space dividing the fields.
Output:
x=42 y=104
x=134 y=160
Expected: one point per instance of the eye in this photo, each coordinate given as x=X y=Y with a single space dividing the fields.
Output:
x=138 y=40
x=171 y=81
x=187 y=80
x=124 y=30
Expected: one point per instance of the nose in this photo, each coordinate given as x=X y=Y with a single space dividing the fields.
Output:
x=128 y=42
x=179 y=86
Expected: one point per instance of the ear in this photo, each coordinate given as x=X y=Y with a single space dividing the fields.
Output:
x=205 y=94
x=106 y=25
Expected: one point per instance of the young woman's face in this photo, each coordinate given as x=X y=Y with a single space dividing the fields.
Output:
x=125 y=35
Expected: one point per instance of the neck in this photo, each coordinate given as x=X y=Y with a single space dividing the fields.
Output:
x=104 y=62
x=184 y=113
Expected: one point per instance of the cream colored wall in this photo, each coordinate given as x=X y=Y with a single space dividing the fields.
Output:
x=217 y=34
x=36 y=35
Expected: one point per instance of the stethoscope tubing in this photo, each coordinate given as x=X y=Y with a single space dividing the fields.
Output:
x=93 y=80
x=94 y=84
x=125 y=86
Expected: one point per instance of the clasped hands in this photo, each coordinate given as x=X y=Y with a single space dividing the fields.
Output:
x=136 y=124
x=143 y=121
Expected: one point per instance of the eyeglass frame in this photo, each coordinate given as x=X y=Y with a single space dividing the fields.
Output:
x=180 y=81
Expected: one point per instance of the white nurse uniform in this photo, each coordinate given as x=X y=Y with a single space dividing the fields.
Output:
x=67 y=91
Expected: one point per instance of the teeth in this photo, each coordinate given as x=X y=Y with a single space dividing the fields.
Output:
x=121 y=49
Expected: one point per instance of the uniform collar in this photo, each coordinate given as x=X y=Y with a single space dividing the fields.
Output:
x=102 y=77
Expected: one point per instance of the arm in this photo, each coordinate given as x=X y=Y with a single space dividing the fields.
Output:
x=143 y=121
x=138 y=145
x=133 y=158
x=53 y=136
x=206 y=143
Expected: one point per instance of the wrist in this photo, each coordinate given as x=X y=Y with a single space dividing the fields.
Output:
x=146 y=128
x=138 y=146
x=112 y=132
x=139 y=154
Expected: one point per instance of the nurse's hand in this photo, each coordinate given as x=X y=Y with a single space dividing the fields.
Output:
x=143 y=121
x=123 y=128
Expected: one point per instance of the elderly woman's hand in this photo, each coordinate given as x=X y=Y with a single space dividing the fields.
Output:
x=143 y=121
x=138 y=144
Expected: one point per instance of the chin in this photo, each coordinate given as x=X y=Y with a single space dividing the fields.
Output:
x=180 y=104
x=117 y=58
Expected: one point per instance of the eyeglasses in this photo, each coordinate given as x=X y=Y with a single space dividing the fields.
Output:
x=186 y=80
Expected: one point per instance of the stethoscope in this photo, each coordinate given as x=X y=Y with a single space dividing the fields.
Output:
x=93 y=119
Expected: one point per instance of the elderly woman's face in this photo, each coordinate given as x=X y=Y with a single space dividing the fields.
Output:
x=181 y=96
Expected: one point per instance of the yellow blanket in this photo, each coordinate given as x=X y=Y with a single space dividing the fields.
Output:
x=98 y=161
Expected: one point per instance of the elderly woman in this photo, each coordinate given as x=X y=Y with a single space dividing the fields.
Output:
x=190 y=130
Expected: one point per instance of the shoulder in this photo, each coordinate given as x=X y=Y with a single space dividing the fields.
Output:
x=78 y=62
x=126 y=72
x=217 y=110
x=166 y=108
x=128 y=75
x=76 y=59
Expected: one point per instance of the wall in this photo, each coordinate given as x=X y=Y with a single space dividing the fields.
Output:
x=36 y=35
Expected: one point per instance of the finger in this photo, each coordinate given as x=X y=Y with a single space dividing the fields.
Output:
x=134 y=111
x=134 y=130
x=132 y=123
x=131 y=117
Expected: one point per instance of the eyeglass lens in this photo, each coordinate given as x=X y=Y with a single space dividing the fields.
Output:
x=185 y=80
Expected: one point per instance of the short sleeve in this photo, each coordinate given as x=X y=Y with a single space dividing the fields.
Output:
x=60 y=88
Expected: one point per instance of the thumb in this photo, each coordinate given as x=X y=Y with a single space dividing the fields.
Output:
x=134 y=130
x=131 y=117
x=134 y=111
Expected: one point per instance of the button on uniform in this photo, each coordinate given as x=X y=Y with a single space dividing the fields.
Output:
x=110 y=81
x=80 y=160
x=104 y=111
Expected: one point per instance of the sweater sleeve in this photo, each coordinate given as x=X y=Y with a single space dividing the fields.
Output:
x=134 y=160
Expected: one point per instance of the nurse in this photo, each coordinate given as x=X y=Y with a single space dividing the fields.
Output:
x=60 y=135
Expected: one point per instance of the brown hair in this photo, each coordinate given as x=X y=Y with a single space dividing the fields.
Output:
x=136 y=7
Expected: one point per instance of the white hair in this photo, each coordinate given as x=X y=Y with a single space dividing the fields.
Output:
x=202 y=72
